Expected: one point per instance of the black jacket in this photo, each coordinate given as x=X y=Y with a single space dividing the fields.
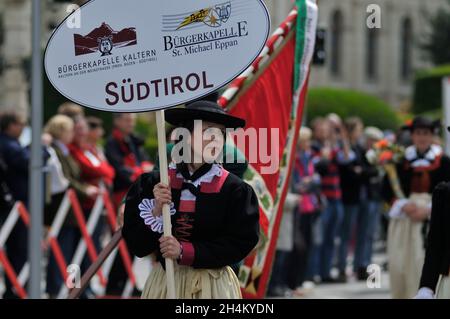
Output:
x=352 y=182
x=437 y=258
x=225 y=226
x=17 y=159
x=6 y=198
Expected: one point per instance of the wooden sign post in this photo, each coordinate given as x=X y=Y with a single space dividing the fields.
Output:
x=163 y=171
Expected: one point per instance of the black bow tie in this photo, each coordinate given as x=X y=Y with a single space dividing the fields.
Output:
x=183 y=169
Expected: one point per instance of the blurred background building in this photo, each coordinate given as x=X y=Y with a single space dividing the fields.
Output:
x=381 y=61
x=15 y=47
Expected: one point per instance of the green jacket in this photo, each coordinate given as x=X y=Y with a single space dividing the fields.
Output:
x=71 y=171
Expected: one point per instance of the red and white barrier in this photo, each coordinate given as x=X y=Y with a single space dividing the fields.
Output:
x=103 y=204
x=18 y=282
x=80 y=251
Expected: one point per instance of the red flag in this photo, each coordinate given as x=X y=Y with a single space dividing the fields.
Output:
x=271 y=95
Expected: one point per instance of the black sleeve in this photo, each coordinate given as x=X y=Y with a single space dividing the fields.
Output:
x=436 y=238
x=241 y=233
x=348 y=174
x=115 y=158
x=386 y=190
x=140 y=239
x=17 y=158
x=445 y=164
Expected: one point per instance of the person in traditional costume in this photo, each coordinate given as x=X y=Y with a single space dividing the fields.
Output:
x=214 y=214
x=409 y=187
x=435 y=280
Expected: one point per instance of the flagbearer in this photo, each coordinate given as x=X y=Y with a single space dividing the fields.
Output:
x=215 y=215
x=424 y=166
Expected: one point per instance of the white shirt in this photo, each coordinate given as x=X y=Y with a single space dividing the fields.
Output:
x=59 y=183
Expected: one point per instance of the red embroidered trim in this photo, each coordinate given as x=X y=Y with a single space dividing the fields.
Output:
x=175 y=181
x=184 y=223
x=216 y=184
x=188 y=254
x=187 y=206
x=183 y=229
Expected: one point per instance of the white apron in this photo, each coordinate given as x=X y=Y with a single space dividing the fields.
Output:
x=443 y=288
x=406 y=252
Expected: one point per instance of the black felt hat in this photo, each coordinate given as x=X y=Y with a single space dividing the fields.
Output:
x=205 y=110
x=423 y=122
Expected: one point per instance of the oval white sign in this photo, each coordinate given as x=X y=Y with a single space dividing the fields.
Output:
x=140 y=55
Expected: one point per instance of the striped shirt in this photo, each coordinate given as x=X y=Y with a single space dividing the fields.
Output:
x=329 y=170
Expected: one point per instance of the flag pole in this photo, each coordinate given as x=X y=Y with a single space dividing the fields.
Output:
x=163 y=171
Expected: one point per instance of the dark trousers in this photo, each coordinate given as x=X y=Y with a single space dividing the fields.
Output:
x=17 y=252
x=118 y=276
x=298 y=258
x=289 y=269
x=68 y=239
x=331 y=222
x=279 y=278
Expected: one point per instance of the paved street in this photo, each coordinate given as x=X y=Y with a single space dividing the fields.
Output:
x=354 y=289
x=351 y=290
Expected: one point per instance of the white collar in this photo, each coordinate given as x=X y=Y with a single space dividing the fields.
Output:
x=412 y=156
x=215 y=170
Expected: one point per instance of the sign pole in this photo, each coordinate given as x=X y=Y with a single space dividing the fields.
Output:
x=36 y=178
x=163 y=171
x=446 y=106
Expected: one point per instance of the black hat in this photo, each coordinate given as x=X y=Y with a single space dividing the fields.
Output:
x=203 y=110
x=423 y=122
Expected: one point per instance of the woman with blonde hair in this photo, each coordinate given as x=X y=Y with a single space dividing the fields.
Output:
x=60 y=130
x=64 y=174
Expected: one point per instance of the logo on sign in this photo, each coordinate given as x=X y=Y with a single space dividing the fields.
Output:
x=104 y=39
x=105 y=45
x=214 y=17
